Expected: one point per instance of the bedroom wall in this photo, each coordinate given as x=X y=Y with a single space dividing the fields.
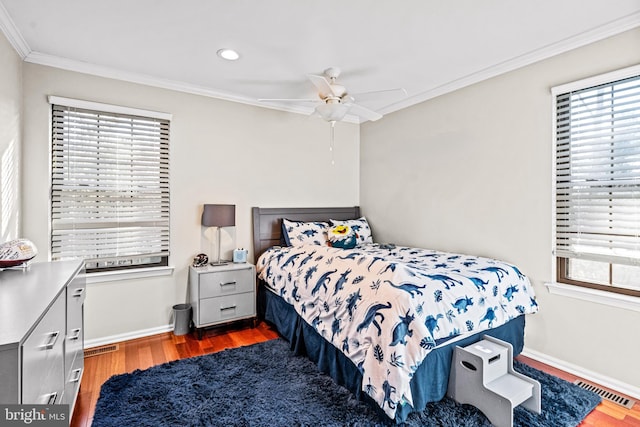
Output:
x=470 y=172
x=10 y=139
x=221 y=152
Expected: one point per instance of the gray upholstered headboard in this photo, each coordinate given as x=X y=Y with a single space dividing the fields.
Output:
x=267 y=222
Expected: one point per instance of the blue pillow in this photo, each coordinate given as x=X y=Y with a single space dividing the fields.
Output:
x=342 y=236
x=298 y=233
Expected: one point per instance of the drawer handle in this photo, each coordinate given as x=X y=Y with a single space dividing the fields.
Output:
x=53 y=337
x=50 y=398
x=227 y=283
x=78 y=292
x=231 y=307
x=76 y=334
x=77 y=374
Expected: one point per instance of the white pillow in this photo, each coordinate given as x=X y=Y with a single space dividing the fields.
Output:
x=298 y=233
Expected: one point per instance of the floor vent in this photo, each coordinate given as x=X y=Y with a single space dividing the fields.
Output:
x=606 y=394
x=94 y=351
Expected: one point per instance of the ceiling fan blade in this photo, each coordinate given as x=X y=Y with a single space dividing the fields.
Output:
x=377 y=94
x=363 y=112
x=322 y=84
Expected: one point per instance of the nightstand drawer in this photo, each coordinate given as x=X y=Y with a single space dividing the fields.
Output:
x=230 y=307
x=220 y=283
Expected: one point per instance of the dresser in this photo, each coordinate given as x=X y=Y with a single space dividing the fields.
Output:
x=41 y=333
x=221 y=294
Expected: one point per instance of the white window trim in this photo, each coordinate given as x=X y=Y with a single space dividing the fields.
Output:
x=134 y=273
x=593 y=81
x=594 y=295
x=126 y=274
x=109 y=108
x=580 y=292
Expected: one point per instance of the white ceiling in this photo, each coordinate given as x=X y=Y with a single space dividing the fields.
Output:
x=428 y=47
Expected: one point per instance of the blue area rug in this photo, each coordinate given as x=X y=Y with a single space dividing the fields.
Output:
x=266 y=385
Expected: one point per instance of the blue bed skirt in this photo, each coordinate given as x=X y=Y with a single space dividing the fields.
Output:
x=430 y=381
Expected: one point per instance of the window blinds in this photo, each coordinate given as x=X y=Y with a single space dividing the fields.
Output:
x=598 y=173
x=110 y=188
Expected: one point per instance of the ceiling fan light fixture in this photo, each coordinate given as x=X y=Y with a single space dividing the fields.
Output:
x=335 y=101
x=228 y=54
x=332 y=112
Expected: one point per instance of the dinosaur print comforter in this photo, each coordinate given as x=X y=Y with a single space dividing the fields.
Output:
x=385 y=306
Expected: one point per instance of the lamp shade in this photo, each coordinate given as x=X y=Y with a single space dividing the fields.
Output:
x=219 y=215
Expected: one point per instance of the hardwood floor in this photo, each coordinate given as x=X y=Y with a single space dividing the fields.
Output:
x=606 y=413
x=146 y=352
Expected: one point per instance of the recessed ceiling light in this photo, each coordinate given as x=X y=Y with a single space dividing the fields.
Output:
x=228 y=54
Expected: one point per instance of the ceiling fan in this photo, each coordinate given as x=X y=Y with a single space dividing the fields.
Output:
x=335 y=102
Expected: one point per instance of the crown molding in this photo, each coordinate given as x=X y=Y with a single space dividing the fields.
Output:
x=12 y=34
x=144 y=79
x=604 y=31
x=610 y=29
x=117 y=74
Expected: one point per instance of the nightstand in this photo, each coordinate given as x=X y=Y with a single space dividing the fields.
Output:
x=222 y=294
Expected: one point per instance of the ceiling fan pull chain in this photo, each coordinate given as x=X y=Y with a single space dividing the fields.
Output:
x=332 y=130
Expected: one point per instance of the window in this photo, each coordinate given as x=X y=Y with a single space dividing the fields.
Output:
x=109 y=185
x=597 y=180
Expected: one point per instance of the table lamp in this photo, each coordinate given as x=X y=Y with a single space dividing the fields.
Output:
x=219 y=216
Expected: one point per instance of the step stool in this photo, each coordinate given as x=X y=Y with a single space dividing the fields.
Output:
x=482 y=375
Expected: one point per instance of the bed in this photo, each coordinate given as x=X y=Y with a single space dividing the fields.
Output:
x=381 y=319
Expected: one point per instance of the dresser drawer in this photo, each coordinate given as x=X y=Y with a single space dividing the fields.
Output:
x=76 y=291
x=220 y=283
x=227 y=308
x=42 y=357
x=74 y=348
x=74 y=376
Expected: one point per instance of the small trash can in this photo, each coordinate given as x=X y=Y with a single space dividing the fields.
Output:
x=181 y=319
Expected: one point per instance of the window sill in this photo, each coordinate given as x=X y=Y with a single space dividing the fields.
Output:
x=594 y=295
x=139 y=273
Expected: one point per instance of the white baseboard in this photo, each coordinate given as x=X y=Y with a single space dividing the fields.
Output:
x=96 y=342
x=603 y=380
